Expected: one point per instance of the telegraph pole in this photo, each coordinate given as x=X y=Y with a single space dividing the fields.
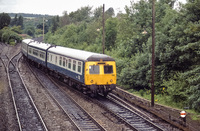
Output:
x=43 y=29
x=103 y=22
x=153 y=53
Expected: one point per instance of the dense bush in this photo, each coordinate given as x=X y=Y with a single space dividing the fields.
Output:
x=9 y=36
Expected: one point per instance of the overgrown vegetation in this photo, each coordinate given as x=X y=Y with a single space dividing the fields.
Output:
x=12 y=29
x=10 y=34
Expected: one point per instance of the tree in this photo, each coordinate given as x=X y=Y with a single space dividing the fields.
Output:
x=110 y=12
x=98 y=13
x=14 y=21
x=193 y=10
x=65 y=19
x=111 y=33
x=93 y=34
x=55 y=24
x=189 y=49
x=9 y=36
x=178 y=53
x=20 y=21
x=30 y=30
x=17 y=29
x=17 y=21
x=131 y=25
x=4 y=20
x=70 y=35
x=82 y=14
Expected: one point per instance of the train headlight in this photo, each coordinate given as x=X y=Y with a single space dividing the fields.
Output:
x=91 y=81
x=111 y=80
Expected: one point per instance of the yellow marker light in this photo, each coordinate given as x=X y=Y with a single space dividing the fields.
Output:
x=111 y=80
x=91 y=81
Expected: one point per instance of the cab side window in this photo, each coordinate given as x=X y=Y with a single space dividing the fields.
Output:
x=79 y=67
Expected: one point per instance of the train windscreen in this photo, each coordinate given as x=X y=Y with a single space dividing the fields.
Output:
x=108 y=69
x=94 y=69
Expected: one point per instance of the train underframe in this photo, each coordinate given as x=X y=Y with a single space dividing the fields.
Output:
x=91 y=90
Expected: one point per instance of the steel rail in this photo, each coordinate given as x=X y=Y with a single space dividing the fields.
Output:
x=55 y=100
x=129 y=107
x=13 y=98
x=77 y=124
x=35 y=107
x=132 y=119
x=102 y=129
x=43 y=126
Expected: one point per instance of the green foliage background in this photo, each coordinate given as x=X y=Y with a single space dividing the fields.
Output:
x=7 y=34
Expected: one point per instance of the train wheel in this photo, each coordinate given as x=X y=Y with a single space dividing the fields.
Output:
x=70 y=83
x=61 y=79
x=93 y=94
x=105 y=93
x=78 y=86
x=66 y=80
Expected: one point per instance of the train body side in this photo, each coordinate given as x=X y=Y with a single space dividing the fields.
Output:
x=67 y=66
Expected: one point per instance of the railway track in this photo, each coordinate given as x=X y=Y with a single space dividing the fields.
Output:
x=4 y=49
x=28 y=116
x=134 y=120
x=79 y=117
x=131 y=118
x=5 y=60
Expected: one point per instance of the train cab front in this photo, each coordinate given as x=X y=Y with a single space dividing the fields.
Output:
x=100 y=76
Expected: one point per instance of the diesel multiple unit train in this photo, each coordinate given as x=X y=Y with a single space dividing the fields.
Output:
x=91 y=73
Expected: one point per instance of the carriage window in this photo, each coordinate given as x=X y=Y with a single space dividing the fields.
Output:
x=94 y=69
x=60 y=61
x=29 y=50
x=47 y=56
x=69 y=64
x=56 y=59
x=108 y=69
x=79 y=67
x=74 y=65
x=51 y=57
x=64 y=62
x=42 y=55
x=35 y=52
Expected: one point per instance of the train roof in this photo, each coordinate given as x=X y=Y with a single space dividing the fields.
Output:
x=39 y=45
x=69 y=52
x=80 y=54
x=27 y=40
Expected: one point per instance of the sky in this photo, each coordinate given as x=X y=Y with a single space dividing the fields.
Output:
x=57 y=7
